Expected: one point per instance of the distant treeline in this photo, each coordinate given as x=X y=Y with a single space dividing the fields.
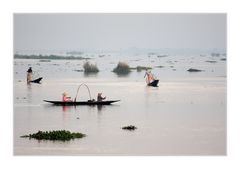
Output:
x=18 y=56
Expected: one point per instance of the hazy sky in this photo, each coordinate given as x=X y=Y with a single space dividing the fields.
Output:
x=116 y=31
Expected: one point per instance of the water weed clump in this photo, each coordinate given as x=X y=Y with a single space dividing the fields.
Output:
x=122 y=68
x=140 y=68
x=194 y=70
x=61 y=135
x=90 y=68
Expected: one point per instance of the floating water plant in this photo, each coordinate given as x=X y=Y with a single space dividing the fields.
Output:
x=194 y=70
x=161 y=56
x=140 y=68
x=159 y=66
x=78 y=70
x=122 y=68
x=90 y=68
x=211 y=61
x=131 y=127
x=44 y=60
x=61 y=135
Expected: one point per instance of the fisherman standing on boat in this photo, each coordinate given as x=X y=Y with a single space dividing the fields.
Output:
x=150 y=77
x=100 y=98
x=29 y=74
x=66 y=98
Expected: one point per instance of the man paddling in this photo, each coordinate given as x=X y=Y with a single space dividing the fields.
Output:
x=150 y=77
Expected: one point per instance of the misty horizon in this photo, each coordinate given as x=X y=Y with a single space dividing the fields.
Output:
x=119 y=32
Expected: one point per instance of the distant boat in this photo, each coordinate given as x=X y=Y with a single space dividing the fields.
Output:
x=38 y=80
x=150 y=79
x=89 y=102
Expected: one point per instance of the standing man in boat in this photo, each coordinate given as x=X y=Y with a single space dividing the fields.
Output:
x=100 y=98
x=66 y=98
x=150 y=77
x=29 y=74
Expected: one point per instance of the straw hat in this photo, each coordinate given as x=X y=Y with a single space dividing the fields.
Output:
x=64 y=94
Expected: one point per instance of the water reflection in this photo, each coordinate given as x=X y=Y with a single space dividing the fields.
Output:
x=90 y=74
x=150 y=93
x=99 y=108
x=67 y=108
x=122 y=75
x=29 y=92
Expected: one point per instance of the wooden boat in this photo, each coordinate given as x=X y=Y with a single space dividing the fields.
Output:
x=89 y=102
x=154 y=83
x=36 y=80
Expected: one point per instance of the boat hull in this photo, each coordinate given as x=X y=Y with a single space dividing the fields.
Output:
x=90 y=103
x=154 y=83
x=36 y=80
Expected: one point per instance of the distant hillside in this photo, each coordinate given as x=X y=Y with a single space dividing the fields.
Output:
x=56 y=57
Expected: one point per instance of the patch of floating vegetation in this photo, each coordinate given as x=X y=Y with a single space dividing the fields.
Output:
x=161 y=56
x=44 y=60
x=136 y=60
x=140 y=68
x=211 y=61
x=90 y=68
x=159 y=66
x=215 y=54
x=52 y=57
x=77 y=70
x=130 y=127
x=122 y=68
x=194 y=70
x=61 y=135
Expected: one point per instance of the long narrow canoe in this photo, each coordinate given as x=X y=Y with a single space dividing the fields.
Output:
x=154 y=83
x=82 y=102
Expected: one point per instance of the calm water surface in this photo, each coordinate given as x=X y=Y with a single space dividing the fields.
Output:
x=185 y=115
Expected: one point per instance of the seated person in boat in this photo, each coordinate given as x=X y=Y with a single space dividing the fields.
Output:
x=150 y=77
x=100 y=98
x=66 y=98
x=29 y=75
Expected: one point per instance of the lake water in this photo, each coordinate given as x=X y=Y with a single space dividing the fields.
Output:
x=185 y=115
